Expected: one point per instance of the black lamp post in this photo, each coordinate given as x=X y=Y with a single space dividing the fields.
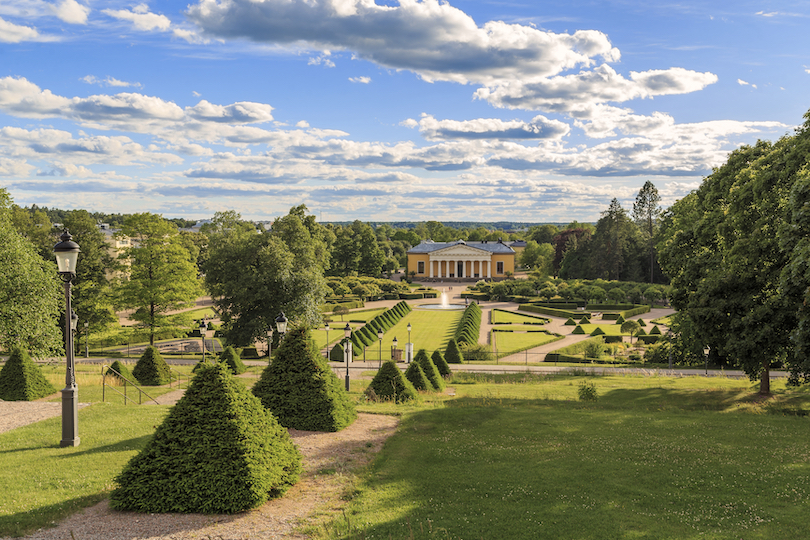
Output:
x=202 y=333
x=326 y=327
x=67 y=253
x=395 y=342
x=269 y=341
x=87 y=340
x=347 y=351
x=409 y=347
x=380 y=336
x=281 y=324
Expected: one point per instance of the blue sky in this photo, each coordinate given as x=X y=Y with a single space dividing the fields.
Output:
x=387 y=110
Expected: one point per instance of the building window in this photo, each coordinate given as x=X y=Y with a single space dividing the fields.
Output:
x=420 y=267
x=499 y=267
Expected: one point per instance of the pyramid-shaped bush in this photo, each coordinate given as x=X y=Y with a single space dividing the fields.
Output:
x=301 y=390
x=389 y=384
x=441 y=363
x=219 y=451
x=337 y=354
x=452 y=353
x=120 y=371
x=230 y=358
x=641 y=322
x=152 y=369
x=655 y=331
x=22 y=380
x=578 y=330
x=417 y=377
x=620 y=320
x=570 y=322
x=598 y=332
x=430 y=370
x=584 y=320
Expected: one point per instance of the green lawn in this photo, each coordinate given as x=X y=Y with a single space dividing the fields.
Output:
x=608 y=329
x=500 y=316
x=653 y=458
x=520 y=340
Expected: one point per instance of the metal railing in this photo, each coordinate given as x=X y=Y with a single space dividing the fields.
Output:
x=127 y=382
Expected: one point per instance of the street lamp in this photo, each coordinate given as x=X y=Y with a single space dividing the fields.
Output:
x=281 y=324
x=67 y=254
x=269 y=341
x=87 y=340
x=395 y=342
x=347 y=351
x=409 y=347
x=202 y=333
x=326 y=327
x=669 y=338
x=380 y=336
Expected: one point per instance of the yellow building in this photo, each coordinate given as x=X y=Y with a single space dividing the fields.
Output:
x=462 y=260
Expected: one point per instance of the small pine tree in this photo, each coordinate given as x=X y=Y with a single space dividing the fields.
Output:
x=22 y=380
x=452 y=354
x=430 y=370
x=417 y=377
x=300 y=388
x=655 y=331
x=152 y=369
x=620 y=320
x=441 y=363
x=119 y=370
x=584 y=320
x=219 y=451
x=230 y=358
x=641 y=322
x=390 y=384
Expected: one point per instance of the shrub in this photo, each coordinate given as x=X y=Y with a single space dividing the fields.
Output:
x=337 y=354
x=22 y=380
x=476 y=352
x=230 y=358
x=301 y=390
x=655 y=331
x=389 y=384
x=598 y=332
x=219 y=451
x=120 y=371
x=452 y=353
x=152 y=369
x=441 y=363
x=430 y=370
x=641 y=322
x=249 y=352
x=594 y=348
x=578 y=330
x=620 y=320
x=584 y=320
x=587 y=391
x=570 y=322
x=417 y=377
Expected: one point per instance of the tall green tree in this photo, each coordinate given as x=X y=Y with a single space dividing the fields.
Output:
x=30 y=292
x=162 y=274
x=253 y=276
x=646 y=213
x=33 y=224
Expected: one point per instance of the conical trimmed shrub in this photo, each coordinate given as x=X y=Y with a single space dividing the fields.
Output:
x=570 y=322
x=452 y=353
x=655 y=331
x=641 y=322
x=441 y=363
x=119 y=370
x=152 y=369
x=620 y=320
x=301 y=390
x=219 y=451
x=417 y=377
x=230 y=358
x=598 y=332
x=584 y=320
x=430 y=370
x=389 y=384
x=578 y=330
x=337 y=354
x=22 y=380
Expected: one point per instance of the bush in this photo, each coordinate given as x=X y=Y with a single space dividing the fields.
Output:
x=441 y=363
x=120 y=371
x=641 y=322
x=22 y=380
x=301 y=390
x=452 y=353
x=594 y=348
x=578 y=330
x=430 y=370
x=620 y=320
x=584 y=320
x=587 y=391
x=337 y=354
x=230 y=358
x=152 y=369
x=417 y=377
x=655 y=331
x=570 y=322
x=389 y=384
x=219 y=451
x=249 y=352
x=476 y=352
x=598 y=332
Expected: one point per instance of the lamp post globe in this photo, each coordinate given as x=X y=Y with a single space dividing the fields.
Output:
x=326 y=327
x=202 y=333
x=347 y=351
x=380 y=336
x=67 y=255
x=281 y=324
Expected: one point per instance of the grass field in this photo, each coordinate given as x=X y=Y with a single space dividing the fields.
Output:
x=520 y=340
x=500 y=316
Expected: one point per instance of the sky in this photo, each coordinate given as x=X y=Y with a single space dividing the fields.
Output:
x=388 y=110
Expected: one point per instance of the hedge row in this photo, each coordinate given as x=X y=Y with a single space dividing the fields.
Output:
x=534 y=308
x=469 y=327
x=329 y=307
x=367 y=335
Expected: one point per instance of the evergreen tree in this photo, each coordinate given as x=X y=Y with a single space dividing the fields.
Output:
x=389 y=384
x=452 y=354
x=301 y=390
x=441 y=363
x=429 y=368
x=417 y=377
x=152 y=369
x=231 y=358
x=647 y=213
x=219 y=451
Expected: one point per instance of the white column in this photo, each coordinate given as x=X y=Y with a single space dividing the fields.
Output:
x=464 y=268
x=489 y=268
x=430 y=262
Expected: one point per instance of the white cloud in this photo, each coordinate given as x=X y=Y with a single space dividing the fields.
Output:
x=767 y=14
x=429 y=37
x=540 y=127
x=361 y=80
x=108 y=81
x=72 y=12
x=322 y=59
x=13 y=33
x=141 y=18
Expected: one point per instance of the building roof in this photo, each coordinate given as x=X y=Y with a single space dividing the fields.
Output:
x=429 y=246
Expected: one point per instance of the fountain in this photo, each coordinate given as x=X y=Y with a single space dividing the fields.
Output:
x=444 y=304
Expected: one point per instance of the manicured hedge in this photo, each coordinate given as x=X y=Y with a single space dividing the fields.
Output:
x=301 y=390
x=21 y=379
x=417 y=377
x=469 y=327
x=452 y=353
x=152 y=369
x=367 y=335
x=219 y=451
x=230 y=358
x=429 y=369
x=120 y=371
x=441 y=363
x=389 y=384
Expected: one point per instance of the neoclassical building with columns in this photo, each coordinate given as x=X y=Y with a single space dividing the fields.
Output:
x=461 y=260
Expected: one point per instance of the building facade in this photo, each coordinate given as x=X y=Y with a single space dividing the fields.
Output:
x=461 y=260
